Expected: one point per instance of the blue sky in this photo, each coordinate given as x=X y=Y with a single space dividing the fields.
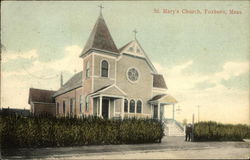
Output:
x=205 y=56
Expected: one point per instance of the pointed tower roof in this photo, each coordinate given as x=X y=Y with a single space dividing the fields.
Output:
x=100 y=38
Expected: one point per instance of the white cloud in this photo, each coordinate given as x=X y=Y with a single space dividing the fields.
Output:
x=217 y=103
x=231 y=69
x=8 y=56
x=44 y=75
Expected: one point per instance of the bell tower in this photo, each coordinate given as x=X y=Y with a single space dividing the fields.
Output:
x=99 y=44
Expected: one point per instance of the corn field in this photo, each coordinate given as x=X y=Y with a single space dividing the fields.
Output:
x=212 y=131
x=44 y=131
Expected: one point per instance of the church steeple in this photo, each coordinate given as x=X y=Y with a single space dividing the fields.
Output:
x=100 y=37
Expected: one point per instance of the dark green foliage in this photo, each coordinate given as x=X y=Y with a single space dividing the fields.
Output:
x=212 y=131
x=46 y=131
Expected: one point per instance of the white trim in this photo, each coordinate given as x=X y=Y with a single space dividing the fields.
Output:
x=122 y=108
x=92 y=79
x=152 y=110
x=100 y=113
x=102 y=55
x=128 y=105
x=87 y=66
x=109 y=109
x=104 y=51
x=147 y=59
x=95 y=50
x=155 y=89
x=120 y=57
x=115 y=70
x=100 y=73
x=113 y=85
x=158 y=109
x=139 y=75
x=114 y=108
x=87 y=56
x=42 y=103
x=110 y=95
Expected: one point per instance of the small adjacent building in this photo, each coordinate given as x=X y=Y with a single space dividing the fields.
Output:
x=114 y=83
x=42 y=101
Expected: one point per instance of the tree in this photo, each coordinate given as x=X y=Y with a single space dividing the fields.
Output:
x=184 y=122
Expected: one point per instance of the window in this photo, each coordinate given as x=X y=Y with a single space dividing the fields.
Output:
x=105 y=69
x=57 y=108
x=132 y=106
x=131 y=49
x=87 y=105
x=87 y=70
x=64 y=107
x=71 y=105
x=125 y=105
x=81 y=103
x=133 y=74
x=138 y=106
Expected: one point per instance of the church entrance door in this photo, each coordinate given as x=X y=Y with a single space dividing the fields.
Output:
x=105 y=108
x=155 y=111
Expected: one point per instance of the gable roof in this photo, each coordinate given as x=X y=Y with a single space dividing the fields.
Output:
x=137 y=51
x=40 y=95
x=100 y=38
x=123 y=47
x=164 y=98
x=158 y=81
x=73 y=83
x=110 y=90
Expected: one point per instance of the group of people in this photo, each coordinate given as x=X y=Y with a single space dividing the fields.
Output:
x=188 y=132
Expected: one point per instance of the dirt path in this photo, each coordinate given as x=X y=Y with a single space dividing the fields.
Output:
x=171 y=147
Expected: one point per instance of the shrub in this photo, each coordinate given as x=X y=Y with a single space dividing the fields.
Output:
x=46 y=131
x=212 y=131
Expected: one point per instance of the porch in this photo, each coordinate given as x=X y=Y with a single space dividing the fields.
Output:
x=159 y=103
x=108 y=102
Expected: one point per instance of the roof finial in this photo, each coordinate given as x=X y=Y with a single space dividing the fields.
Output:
x=101 y=7
x=135 y=32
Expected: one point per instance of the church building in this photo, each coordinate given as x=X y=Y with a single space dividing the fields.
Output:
x=114 y=83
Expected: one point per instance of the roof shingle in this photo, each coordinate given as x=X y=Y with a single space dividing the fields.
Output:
x=40 y=95
x=73 y=83
x=158 y=81
x=100 y=38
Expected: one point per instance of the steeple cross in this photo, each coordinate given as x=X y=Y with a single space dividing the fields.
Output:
x=135 y=32
x=101 y=7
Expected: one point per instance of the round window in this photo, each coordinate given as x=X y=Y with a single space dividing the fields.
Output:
x=133 y=74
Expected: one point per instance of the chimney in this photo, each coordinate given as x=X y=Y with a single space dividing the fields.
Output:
x=61 y=79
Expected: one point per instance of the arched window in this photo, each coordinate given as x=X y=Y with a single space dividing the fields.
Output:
x=132 y=106
x=138 y=106
x=87 y=70
x=125 y=105
x=105 y=69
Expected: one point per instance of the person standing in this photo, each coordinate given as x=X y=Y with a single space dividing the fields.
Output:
x=188 y=132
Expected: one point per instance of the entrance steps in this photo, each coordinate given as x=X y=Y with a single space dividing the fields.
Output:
x=173 y=128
